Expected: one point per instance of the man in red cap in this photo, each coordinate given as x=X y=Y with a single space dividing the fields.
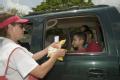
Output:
x=16 y=62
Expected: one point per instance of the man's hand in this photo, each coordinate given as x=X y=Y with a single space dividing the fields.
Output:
x=58 y=53
x=56 y=45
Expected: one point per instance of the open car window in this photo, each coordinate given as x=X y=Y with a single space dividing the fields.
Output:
x=67 y=27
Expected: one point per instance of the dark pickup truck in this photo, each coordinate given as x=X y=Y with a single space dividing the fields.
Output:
x=103 y=21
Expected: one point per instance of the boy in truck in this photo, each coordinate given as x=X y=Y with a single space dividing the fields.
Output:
x=79 y=39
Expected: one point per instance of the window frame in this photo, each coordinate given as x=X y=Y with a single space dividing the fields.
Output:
x=100 y=27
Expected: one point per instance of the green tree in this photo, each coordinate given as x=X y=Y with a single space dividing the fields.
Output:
x=14 y=11
x=1 y=8
x=42 y=7
x=61 y=4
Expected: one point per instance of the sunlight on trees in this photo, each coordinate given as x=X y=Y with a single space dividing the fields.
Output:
x=50 y=5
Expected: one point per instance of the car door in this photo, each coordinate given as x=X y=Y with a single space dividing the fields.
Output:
x=80 y=66
x=91 y=66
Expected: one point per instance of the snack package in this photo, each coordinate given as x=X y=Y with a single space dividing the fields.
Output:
x=62 y=42
x=51 y=50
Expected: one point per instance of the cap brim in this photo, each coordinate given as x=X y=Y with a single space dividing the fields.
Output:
x=22 y=21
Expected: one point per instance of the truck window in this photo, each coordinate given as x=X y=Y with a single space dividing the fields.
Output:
x=83 y=34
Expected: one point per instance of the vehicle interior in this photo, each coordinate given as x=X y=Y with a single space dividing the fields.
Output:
x=65 y=27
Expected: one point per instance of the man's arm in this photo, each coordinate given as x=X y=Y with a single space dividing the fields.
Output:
x=40 y=54
x=41 y=70
x=44 y=52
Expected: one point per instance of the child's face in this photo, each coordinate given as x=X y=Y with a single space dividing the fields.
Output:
x=77 y=41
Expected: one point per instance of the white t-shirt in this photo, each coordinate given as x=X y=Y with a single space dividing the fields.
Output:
x=21 y=62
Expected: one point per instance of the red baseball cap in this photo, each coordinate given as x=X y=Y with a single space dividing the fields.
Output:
x=12 y=19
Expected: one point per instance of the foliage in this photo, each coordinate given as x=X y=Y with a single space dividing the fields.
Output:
x=1 y=8
x=50 y=5
x=12 y=11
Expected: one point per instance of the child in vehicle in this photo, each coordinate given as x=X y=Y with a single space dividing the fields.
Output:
x=79 y=39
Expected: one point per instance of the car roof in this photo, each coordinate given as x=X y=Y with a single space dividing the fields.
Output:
x=72 y=9
x=75 y=11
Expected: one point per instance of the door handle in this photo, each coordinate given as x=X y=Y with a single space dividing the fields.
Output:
x=96 y=73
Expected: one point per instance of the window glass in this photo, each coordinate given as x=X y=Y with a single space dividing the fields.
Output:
x=83 y=34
